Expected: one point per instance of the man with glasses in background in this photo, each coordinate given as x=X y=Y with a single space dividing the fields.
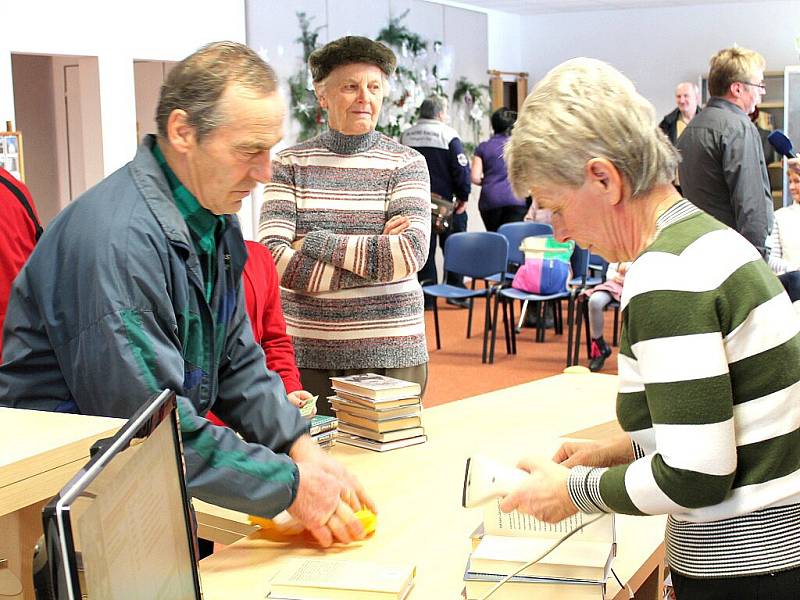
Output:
x=722 y=170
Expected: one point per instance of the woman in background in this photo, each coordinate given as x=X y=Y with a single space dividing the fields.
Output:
x=497 y=203
x=784 y=241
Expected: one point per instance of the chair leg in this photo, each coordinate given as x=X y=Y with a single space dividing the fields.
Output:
x=512 y=326
x=506 y=331
x=540 y=317
x=558 y=317
x=494 y=329
x=522 y=312
x=487 y=323
x=469 y=314
x=579 y=302
x=570 y=326
x=615 y=341
x=436 y=322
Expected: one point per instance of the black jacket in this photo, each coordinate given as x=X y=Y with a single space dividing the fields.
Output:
x=669 y=124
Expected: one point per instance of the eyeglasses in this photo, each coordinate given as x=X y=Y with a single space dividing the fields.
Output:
x=760 y=86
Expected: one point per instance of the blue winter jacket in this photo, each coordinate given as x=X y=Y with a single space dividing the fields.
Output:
x=110 y=309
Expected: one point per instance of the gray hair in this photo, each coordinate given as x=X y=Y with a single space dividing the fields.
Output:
x=197 y=83
x=584 y=109
x=432 y=107
x=730 y=65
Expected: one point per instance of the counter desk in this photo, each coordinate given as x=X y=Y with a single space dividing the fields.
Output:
x=418 y=492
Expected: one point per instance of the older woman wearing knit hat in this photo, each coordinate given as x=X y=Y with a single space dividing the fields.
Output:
x=347 y=219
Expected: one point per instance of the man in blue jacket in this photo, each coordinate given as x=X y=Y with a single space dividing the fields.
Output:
x=136 y=287
x=450 y=176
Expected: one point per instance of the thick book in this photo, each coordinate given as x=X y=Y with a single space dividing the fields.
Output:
x=477 y=585
x=377 y=404
x=389 y=436
x=329 y=579
x=354 y=440
x=380 y=426
x=377 y=387
x=374 y=413
x=321 y=424
x=511 y=540
x=324 y=437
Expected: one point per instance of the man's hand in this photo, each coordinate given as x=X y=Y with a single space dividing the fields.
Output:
x=299 y=398
x=461 y=206
x=333 y=518
x=396 y=225
x=544 y=494
x=617 y=450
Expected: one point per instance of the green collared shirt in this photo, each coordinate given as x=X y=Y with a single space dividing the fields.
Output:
x=204 y=225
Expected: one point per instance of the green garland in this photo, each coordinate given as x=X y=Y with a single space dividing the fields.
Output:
x=303 y=101
x=475 y=99
x=397 y=35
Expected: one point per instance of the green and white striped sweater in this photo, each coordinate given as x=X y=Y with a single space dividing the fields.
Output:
x=709 y=372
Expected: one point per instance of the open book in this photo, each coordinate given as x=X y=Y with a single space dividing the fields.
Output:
x=512 y=539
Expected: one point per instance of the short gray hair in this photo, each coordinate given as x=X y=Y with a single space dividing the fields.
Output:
x=197 y=83
x=584 y=109
x=432 y=107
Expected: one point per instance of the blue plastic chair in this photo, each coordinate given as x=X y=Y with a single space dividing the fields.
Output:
x=476 y=254
x=514 y=233
x=507 y=295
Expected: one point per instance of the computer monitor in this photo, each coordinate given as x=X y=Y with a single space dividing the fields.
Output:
x=121 y=528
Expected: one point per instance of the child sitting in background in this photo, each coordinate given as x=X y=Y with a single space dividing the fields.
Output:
x=598 y=298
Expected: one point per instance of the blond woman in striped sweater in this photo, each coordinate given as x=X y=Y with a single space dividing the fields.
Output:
x=709 y=365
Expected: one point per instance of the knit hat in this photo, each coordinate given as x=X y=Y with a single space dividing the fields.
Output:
x=348 y=50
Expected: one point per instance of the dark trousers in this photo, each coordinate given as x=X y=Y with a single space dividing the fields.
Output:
x=428 y=275
x=492 y=219
x=783 y=585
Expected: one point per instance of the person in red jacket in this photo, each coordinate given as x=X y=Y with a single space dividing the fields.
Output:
x=18 y=235
x=263 y=303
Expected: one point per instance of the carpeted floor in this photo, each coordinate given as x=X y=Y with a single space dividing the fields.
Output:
x=456 y=370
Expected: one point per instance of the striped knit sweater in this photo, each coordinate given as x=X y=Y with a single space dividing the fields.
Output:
x=709 y=372
x=350 y=295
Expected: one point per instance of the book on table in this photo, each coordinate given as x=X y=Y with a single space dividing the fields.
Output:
x=382 y=426
x=361 y=442
x=332 y=579
x=321 y=424
x=377 y=413
x=377 y=387
x=371 y=403
x=511 y=540
x=387 y=436
x=477 y=585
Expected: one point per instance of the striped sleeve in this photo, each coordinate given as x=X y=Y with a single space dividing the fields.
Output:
x=384 y=258
x=277 y=231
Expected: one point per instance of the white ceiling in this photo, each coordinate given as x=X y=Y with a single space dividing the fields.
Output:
x=538 y=7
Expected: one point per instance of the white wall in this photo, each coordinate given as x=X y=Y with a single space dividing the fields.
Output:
x=505 y=42
x=116 y=33
x=659 y=47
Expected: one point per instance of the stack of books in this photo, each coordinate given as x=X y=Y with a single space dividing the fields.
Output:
x=323 y=429
x=575 y=570
x=377 y=412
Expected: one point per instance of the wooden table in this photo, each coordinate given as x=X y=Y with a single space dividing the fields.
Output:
x=40 y=452
x=418 y=491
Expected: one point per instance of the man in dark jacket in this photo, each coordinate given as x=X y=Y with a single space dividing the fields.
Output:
x=449 y=171
x=722 y=169
x=687 y=97
x=136 y=287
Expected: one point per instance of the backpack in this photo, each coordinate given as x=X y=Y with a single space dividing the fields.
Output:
x=546 y=269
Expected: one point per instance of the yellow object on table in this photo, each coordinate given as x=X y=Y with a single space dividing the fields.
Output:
x=288 y=525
